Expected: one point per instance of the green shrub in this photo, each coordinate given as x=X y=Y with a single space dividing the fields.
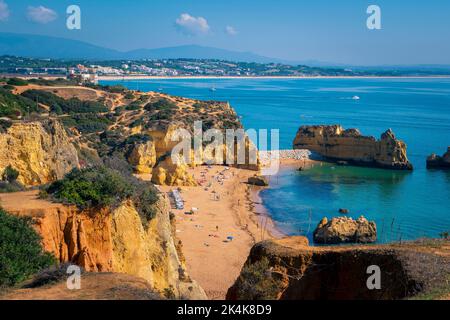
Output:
x=13 y=106
x=59 y=105
x=4 y=125
x=129 y=95
x=104 y=187
x=161 y=104
x=87 y=123
x=10 y=187
x=17 y=82
x=256 y=282
x=144 y=202
x=133 y=106
x=92 y=187
x=10 y=174
x=21 y=254
x=8 y=87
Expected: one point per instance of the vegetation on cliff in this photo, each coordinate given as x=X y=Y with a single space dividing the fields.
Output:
x=21 y=254
x=14 y=106
x=257 y=282
x=59 y=105
x=8 y=181
x=100 y=187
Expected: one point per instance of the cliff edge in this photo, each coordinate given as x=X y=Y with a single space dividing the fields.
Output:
x=111 y=240
x=289 y=269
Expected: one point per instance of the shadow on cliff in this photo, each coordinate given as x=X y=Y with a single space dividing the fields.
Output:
x=299 y=272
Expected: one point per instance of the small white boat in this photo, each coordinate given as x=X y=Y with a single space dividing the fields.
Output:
x=355 y=98
x=212 y=89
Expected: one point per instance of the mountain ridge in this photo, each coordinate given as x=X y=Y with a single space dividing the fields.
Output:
x=39 y=46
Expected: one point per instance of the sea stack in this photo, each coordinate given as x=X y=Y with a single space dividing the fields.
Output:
x=349 y=146
x=437 y=162
x=345 y=230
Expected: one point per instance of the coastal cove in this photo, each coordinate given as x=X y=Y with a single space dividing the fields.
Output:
x=405 y=205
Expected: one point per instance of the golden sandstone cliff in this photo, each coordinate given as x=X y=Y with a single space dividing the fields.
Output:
x=335 y=143
x=40 y=151
x=114 y=240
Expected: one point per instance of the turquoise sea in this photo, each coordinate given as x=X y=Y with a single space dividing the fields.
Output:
x=405 y=205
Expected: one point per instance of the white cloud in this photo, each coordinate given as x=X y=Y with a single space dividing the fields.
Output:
x=192 y=26
x=230 y=31
x=4 y=11
x=41 y=14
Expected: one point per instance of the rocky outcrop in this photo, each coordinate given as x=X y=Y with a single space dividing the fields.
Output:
x=345 y=230
x=258 y=181
x=171 y=173
x=117 y=240
x=143 y=157
x=437 y=162
x=289 y=269
x=40 y=151
x=337 y=144
x=166 y=172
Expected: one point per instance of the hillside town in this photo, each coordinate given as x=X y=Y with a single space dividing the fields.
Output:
x=89 y=71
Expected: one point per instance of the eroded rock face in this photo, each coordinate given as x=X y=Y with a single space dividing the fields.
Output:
x=118 y=241
x=438 y=162
x=345 y=230
x=171 y=173
x=301 y=272
x=143 y=157
x=337 y=144
x=150 y=251
x=40 y=151
x=258 y=181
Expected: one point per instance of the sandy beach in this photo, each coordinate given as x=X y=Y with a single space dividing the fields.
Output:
x=226 y=206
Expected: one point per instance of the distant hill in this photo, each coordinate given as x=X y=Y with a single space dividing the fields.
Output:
x=198 y=52
x=36 y=46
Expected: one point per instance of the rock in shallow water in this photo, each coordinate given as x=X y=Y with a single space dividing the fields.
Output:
x=345 y=230
x=437 y=162
x=258 y=181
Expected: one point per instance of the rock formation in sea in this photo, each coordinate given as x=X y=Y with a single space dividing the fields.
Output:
x=345 y=230
x=40 y=151
x=289 y=269
x=437 y=162
x=337 y=144
x=258 y=181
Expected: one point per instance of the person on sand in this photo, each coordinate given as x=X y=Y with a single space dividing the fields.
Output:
x=217 y=228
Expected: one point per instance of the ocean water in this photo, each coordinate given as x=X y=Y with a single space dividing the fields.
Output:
x=405 y=205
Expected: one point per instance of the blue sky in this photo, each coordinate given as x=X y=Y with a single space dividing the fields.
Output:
x=335 y=31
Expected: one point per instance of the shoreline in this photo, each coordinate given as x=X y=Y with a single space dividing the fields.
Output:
x=144 y=77
x=229 y=218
